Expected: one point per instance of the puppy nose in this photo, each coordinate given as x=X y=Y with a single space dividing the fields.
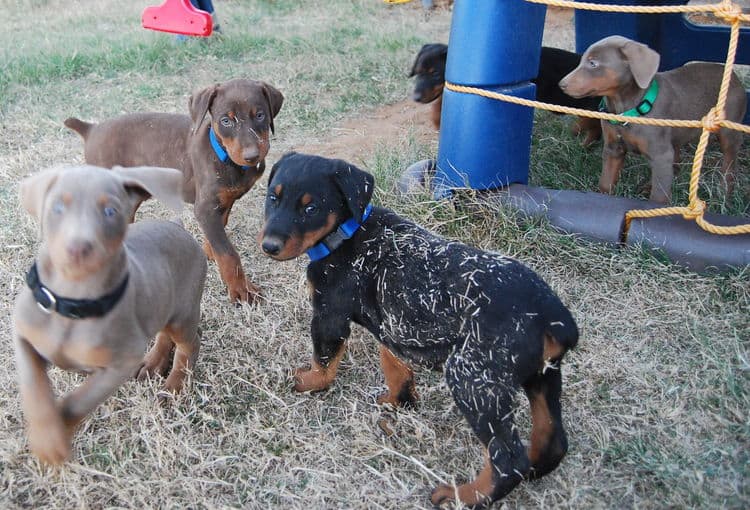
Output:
x=271 y=246
x=251 y=155
x=416 y=96
x=563 y=84
x=79 y=249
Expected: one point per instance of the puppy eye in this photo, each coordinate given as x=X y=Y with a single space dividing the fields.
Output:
x=272 y=198
x=311 y=209
x=260 y=115
x=226 y=122
x=58 y=207
x=109 y=212
x=593 y=64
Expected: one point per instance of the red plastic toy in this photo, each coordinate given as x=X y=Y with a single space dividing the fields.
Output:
x=177 y=17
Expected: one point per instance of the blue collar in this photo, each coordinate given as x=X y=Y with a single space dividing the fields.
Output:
x=337 y=237
x=219 y=150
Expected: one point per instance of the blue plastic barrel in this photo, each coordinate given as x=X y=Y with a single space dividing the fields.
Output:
x=494 y=45
x=485 y=143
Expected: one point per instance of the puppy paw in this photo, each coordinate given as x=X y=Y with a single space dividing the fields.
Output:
x=307 y=379
x=50 y=440
x=153 y=364
x=444 y=496
x=406 y=398
x=243 y=292
x=175 y=382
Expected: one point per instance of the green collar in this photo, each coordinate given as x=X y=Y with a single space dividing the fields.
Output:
x=645 y=106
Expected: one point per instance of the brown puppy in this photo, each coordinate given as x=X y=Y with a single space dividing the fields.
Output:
x=98 y=291
x=624 y=72
x=217 y=170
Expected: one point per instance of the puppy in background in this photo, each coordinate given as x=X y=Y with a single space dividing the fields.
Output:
x=625 y=73
x=554 y=64
x=429 y=69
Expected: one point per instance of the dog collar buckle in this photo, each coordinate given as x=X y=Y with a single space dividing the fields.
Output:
x=52 y=302
x=644 y=107
x=336 y=238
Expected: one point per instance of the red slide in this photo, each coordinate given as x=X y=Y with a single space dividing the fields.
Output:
x=177 y=17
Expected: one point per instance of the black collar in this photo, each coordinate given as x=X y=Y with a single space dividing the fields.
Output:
x=49 y=302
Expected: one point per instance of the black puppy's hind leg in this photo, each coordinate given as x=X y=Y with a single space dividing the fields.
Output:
x=484 y=393
x=548 y=444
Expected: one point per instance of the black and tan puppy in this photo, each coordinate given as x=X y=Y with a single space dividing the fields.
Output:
x=489 y=321
x=554 y=64
x=429 y=69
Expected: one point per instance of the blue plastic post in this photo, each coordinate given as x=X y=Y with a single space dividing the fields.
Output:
x=485 y=143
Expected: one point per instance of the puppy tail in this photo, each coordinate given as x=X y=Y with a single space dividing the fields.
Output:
x=560 y=323
x=79 y=126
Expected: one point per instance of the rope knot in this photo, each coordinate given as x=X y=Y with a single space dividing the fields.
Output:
x=695 y=210
x=710 y=121
x=729 y=11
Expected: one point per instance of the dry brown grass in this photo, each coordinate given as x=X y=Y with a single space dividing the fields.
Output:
x=655 y=397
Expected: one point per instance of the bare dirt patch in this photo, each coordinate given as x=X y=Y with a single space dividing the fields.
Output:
x=357 y=138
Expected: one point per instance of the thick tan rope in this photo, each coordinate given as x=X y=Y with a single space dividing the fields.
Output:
x=711 y=122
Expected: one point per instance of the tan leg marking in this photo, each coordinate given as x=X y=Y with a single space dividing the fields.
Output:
x=318 y=377
x=156 y=360
x=476 y=492
x=542 y=427
x=238 y=286
x=206 y=245
x=399 y=377
x=552 y=349
x=185 y=354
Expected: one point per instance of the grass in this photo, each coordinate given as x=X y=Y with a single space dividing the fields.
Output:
x=655 y=397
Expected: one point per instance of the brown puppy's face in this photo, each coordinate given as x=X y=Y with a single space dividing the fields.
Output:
x=309 y=197
x=429 y=69
x=242 y=113
x=610 y=65
x=599 y=74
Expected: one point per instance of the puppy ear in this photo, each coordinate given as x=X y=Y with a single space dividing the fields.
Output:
x=442 y=50
x=199 y=104
x=643 y=61
x=275 y=100
x=143 y=182
x=355 y=185
x=278 y=165
x=422 y=50
x=33 y=190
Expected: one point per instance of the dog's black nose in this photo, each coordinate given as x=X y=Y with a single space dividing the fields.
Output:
x=271 y=247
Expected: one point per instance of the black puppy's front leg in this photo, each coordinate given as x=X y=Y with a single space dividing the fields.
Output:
x=329 y=333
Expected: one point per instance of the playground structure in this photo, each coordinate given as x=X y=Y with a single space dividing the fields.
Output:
x=485 y=143
x=177 y=17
